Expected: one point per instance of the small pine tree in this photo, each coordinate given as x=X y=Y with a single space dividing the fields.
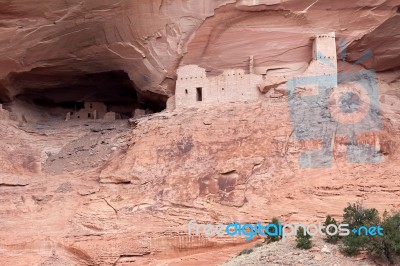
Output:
x=330 y=239
x=269 y=238
x=351 y=245
x=355 y=215
x=387 y=247
x=303 y=239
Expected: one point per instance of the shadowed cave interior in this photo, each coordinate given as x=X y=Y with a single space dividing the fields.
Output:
x=68 y=94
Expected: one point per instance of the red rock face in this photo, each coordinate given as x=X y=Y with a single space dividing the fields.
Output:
x=49 y=48
x=50 y=45
x=278 y=35
x=99 y=194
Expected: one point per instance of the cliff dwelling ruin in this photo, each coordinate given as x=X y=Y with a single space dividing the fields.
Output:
x=112 y=95
x=52 y=94
x=194 y=87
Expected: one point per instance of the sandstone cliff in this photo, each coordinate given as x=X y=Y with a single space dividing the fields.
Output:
x=106 y=194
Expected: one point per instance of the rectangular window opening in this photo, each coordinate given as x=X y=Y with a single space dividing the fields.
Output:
x=199 y=94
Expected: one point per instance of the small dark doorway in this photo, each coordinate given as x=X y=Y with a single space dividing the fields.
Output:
x=199 y=94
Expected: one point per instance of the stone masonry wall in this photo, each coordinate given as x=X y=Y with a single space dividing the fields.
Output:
x=234 y=85
x=231 y=86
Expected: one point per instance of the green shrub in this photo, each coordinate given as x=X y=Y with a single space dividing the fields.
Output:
x=246 y=251
x=269 y=238
x=387 y=247
x=303 y=239
x=331 y=239
x=356 y=216
x=351 y=245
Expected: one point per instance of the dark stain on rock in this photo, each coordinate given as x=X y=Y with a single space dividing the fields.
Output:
x=185 y=145
x=207 y=185
x=227 y=182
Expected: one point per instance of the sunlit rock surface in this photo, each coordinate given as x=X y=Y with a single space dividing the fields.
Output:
x=108 y=194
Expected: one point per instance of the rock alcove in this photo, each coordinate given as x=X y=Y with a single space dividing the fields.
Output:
x=61 y=94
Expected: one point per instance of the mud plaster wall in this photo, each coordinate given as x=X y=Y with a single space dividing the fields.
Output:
x=234 y=85
x=231 y=86
x=89 y=109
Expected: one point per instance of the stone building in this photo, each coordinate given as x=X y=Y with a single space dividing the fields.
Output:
x=91 y=110
x=194 y=87
x=324 y=57
x=324 y=47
